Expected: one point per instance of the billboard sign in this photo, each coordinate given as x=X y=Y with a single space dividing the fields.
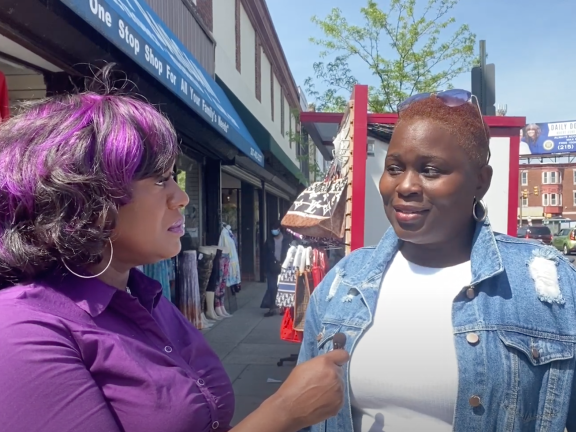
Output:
x=548 y=138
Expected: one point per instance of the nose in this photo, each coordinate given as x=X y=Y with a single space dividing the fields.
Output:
x=179 y=199
x=409 y=184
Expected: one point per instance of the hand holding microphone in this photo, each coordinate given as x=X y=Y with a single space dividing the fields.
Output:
x=339 y=341
x=314 y=391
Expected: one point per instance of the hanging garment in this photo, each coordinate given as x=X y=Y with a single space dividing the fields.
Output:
x=4 y=99
x=215 y=273
x=190 y=303
x=228 y=243
x=220 y=293
x=164 y=273
x=319 y=266
x=287 y=332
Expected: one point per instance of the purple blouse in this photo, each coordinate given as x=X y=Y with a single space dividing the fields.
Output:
x=80 y=355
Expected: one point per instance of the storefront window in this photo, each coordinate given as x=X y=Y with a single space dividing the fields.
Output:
x=231 y=208
x=188 y=176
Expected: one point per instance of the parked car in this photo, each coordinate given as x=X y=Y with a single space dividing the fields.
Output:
x=565 y=240
x=541 y=233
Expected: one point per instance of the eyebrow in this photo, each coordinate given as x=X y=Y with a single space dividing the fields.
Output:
x=421 y=156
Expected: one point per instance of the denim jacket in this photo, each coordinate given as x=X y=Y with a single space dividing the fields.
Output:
x=521 y=304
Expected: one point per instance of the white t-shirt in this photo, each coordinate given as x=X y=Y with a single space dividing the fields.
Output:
x=404 y=371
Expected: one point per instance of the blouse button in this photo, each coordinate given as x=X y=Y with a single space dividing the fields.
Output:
x=215 y=425
x=470 y=293
x=200 y=382
x=168 y=349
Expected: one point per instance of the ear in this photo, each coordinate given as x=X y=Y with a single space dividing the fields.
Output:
x=484 y=181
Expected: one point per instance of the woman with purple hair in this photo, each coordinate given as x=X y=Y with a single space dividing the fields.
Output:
x=87 y=341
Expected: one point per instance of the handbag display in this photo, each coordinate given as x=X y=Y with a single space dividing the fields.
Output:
x=320 y=210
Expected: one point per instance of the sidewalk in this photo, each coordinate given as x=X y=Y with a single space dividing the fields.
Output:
x=249 y=345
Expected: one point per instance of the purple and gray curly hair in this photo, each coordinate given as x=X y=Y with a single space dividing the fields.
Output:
x=67 y=164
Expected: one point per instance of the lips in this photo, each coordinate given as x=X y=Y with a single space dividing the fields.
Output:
x=407 y=214
x=177 y=227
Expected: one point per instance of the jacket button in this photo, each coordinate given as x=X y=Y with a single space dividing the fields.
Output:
x=470 y=292
x=535 y=353
x=475 y=401
x=472 y=338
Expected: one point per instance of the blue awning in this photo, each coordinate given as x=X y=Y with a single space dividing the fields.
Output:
x=138 y=32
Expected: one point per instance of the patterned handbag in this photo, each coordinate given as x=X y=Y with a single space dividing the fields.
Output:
x=304 y=287
x=320 y=210
x=286 y=287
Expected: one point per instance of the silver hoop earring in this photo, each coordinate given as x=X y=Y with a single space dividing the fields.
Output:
x=484 y=210
x=99 y=274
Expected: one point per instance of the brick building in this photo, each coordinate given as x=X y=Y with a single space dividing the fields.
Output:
x=547 y=191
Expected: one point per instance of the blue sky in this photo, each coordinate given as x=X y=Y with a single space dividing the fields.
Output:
x=532 y=43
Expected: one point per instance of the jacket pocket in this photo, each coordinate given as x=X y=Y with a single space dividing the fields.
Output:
x=538 y=350
x=538 y=368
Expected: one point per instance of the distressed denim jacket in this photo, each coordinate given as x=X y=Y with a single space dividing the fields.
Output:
x=521 y=304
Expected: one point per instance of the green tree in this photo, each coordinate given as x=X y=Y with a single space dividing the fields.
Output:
x=411 y=48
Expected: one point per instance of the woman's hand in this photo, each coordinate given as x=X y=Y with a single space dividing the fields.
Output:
x=314 y=391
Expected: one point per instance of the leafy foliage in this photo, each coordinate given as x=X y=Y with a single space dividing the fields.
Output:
x=410 y=48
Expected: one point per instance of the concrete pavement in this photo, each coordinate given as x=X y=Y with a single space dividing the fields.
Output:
x=249 y=346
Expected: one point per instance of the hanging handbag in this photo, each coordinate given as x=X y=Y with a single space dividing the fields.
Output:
x=287 y=332
x=320 y=210
x=301 y=299
x=286 y=288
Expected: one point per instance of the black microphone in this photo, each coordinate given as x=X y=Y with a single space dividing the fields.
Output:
x=339 y=341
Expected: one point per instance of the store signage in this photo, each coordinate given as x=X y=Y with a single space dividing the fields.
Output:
x=546 y=138
x=136 y=30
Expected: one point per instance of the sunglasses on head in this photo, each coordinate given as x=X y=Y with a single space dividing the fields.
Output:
x=451 y=98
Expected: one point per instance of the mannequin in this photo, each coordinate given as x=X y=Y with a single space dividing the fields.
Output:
x=220 y=291
x=209 y=316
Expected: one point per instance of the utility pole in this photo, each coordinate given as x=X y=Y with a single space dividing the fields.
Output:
x=484 y=83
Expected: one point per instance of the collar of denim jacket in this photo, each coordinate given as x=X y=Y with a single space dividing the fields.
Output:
x=485 y=258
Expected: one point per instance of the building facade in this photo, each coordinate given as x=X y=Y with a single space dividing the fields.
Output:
x=547 y=191
x=251 y=67
x=228 y=91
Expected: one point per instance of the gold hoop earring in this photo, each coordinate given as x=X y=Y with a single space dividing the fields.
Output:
x=484 y=210
x=99 y=274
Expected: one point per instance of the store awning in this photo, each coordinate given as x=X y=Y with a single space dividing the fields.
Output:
x=133 y=27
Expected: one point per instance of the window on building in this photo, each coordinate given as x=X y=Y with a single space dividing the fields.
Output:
x=524 y=202
x=552 y=200
x=545 y=200
x=574 y=175
x=550 y=177
x=524 y=178
x=290 y=130
x=282 y=114
x=574 y=193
